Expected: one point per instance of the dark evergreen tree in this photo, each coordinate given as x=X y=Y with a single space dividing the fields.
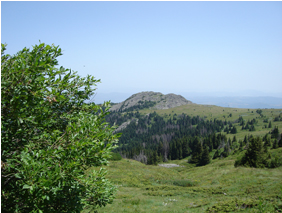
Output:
x=267 y=140
x=149 y=161
x=254 y=156
x=155 y=158
x=160 y=149
x=205 y=157
x=173 y=153
x=216 y=154
x=180 y=153
x=265 y=149
x=275 y=144
x=226 y=150
x=252 y=128
x=280 y=141
x=197 y=151
x=185 y=149
x=245 y=141
x=240 y=144
x=275 y=133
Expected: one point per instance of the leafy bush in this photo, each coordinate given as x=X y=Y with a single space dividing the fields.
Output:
x=50 y=137
x=183 y=183
x=275 y=162
x=115 y=157
x=232 y=205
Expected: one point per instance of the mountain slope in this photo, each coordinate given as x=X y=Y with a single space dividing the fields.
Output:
x=155 y=100
x=216 y=187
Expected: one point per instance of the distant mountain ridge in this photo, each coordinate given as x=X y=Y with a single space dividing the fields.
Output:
x=151 y=99
x=247 y=102
x=241 y=102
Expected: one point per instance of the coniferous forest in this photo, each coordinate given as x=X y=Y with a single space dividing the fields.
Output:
x=151 y=139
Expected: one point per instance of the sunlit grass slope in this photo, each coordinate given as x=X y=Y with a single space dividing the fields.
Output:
x=223 y=113
x=217 y=187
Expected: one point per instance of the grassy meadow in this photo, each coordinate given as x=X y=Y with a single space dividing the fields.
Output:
x=223 y=113
x=216 y=187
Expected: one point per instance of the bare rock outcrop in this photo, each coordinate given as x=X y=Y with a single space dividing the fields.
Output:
x=154 y=100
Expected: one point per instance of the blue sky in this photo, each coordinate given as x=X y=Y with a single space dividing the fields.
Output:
x=170 y=47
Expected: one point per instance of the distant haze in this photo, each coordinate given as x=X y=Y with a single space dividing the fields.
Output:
x=251 y=102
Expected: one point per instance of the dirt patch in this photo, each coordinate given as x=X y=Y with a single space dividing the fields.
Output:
x=169 y=165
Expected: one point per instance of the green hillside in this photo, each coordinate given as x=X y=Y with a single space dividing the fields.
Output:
x=216 y=187
x=223 y=113
x=173 y=133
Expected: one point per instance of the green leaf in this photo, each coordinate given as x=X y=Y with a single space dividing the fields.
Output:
x=26 y=187
x=20 y=120
x=48 y=133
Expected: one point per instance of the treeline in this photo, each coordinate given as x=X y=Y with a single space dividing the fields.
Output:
x=250 y=125
x=153 y=138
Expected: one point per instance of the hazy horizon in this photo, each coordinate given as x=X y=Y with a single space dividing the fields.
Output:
x=219 y=99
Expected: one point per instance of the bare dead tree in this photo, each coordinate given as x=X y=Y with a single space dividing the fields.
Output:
x=141 y=157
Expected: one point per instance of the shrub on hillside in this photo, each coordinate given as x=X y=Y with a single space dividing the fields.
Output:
x=115 y=157
x=257 y=156
x=50 y=137
x=183 y=183
x=254 y=156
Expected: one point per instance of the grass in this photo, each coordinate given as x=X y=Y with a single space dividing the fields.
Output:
x=216 y=187
x=223 y=113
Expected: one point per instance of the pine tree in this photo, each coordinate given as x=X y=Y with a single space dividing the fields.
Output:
x=227 y=150
x=233 y=130
x=149 y=161
x=173 y=153
x=254 y=156
x=179 y=152
x=275 y=132
x=155 y=158
x=245 y=140
x=160 y=148
x=267 y=140
x=185 y=149
x=275 y=144
x=216 y=155
x=252 y=128
x=197 y=152
x=241 y=144
x=205 y=157
x=265 y=147
x=280 y=141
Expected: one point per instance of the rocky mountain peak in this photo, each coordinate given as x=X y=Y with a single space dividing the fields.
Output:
x=155 y=100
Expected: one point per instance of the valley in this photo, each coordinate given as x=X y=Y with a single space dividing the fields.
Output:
x=216 y=187
x=153 y=136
